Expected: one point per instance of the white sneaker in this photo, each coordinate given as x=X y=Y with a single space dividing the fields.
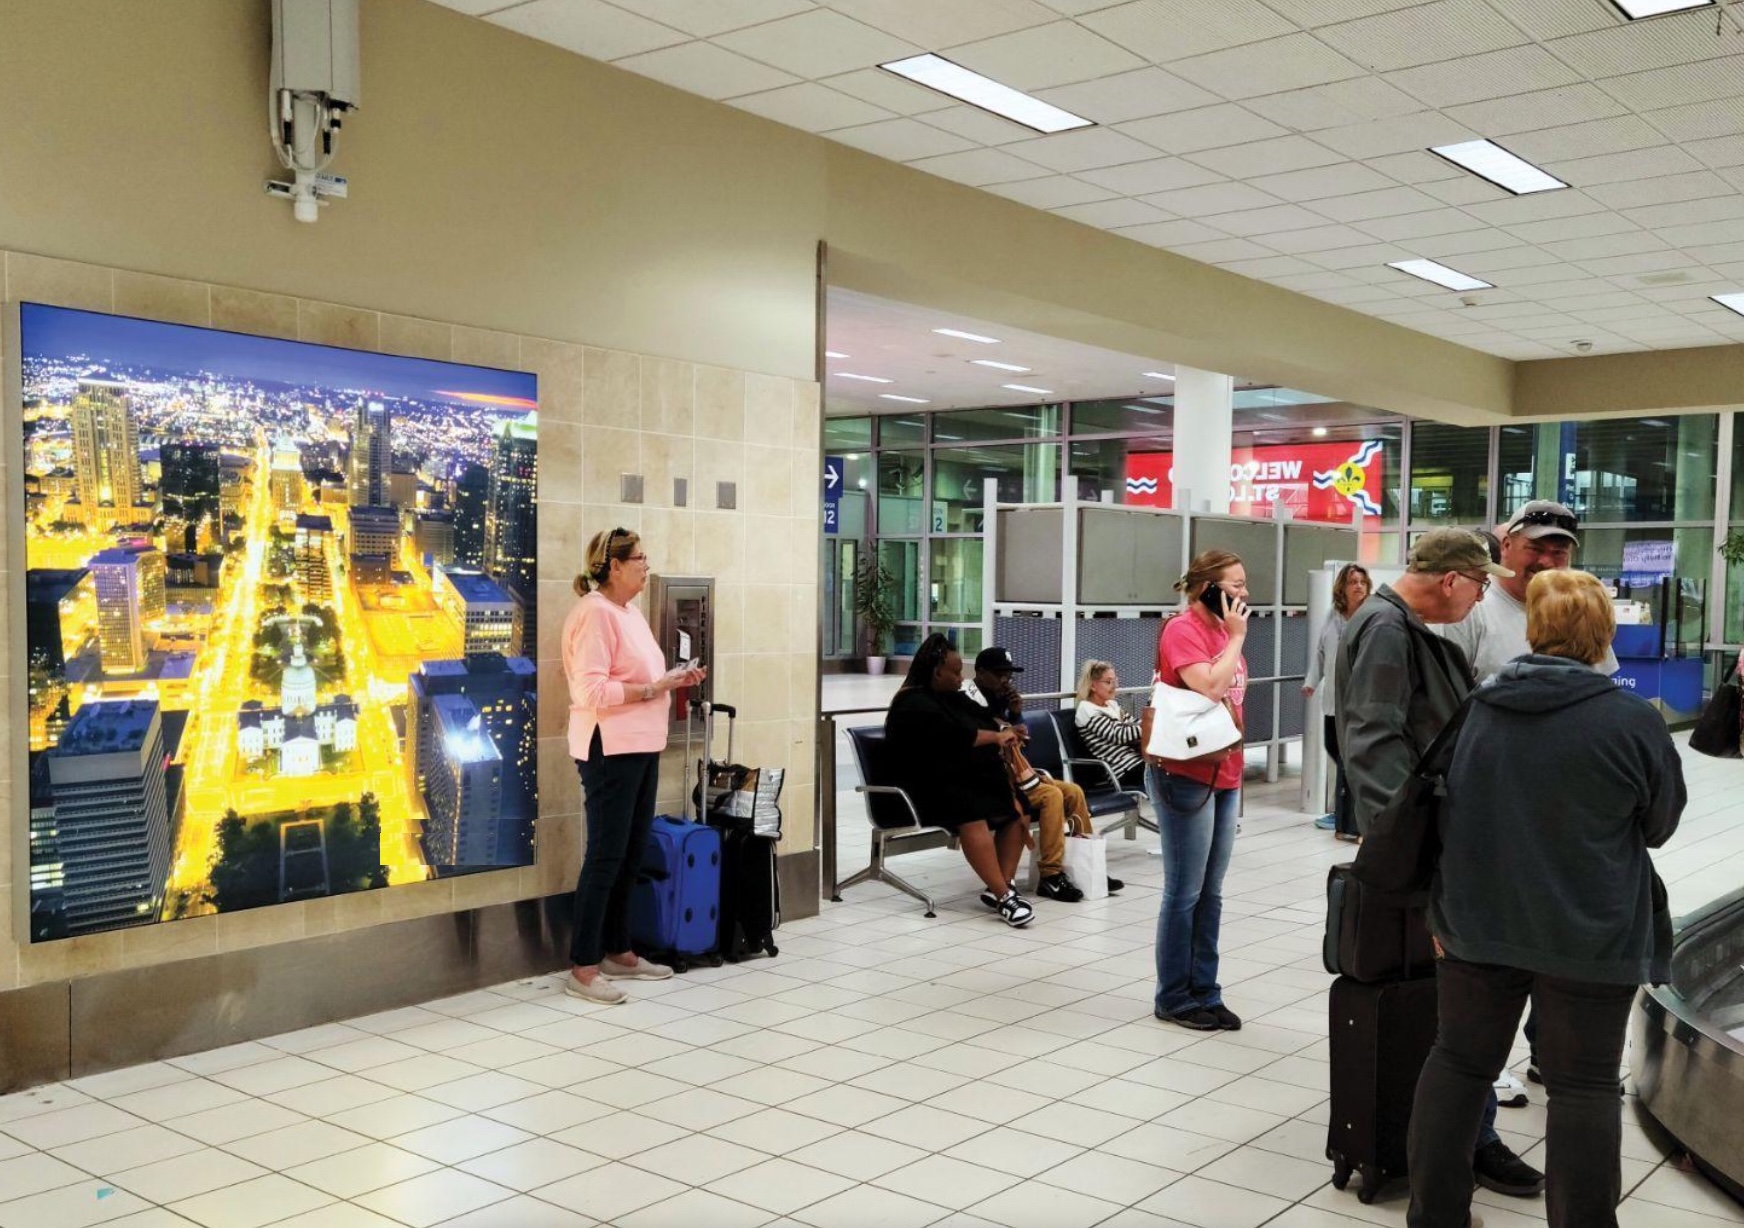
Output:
x=1510 y=1092
x=599 y=990
x=641 y=970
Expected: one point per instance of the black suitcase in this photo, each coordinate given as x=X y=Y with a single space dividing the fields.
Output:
x=1380 y=1035
x=1373 y=936
x=750 y=894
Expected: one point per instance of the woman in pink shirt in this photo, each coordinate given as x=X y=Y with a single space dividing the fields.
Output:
x=1196 y=800
x=618 y=714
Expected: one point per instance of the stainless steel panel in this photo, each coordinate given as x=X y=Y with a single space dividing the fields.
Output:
x=1107 y=550
x=1157 y=561
x=1309 y=547
x=1031 y=541
x=1255 y=541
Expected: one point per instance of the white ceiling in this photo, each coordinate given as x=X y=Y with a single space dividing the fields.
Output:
x=1285 y=139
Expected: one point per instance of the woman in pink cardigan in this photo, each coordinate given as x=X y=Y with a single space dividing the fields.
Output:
x=618 y=714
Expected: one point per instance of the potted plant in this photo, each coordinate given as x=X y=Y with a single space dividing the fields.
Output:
x=1732 y=548
x=874 y=591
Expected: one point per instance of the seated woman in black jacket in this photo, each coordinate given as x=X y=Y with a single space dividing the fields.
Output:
x=948 y=756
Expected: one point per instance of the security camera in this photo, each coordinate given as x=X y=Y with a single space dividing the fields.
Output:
x=314 y=85
x=1583 y=347
x=1468 y=300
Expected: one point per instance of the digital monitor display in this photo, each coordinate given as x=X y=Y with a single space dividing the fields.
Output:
x=280 y=619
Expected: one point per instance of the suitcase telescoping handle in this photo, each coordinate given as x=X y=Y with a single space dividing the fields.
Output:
x=708 y=728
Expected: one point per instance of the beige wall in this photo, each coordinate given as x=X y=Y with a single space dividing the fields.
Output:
x=602 y=413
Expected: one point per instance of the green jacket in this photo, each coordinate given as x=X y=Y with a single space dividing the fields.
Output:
x=1398 y=683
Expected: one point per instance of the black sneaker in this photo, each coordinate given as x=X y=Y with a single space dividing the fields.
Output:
x=991 y=900
x=1114 y=884
x=1532 y=1071
x=1195 y=1017
x=1016 y=911
x=1227 y=1019
x=1059 y=887
x=1499 y=1169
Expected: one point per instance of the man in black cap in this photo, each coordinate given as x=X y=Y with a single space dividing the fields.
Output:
x=1050 y=801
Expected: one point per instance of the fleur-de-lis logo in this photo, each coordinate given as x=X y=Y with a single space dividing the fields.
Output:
x=1350 y=478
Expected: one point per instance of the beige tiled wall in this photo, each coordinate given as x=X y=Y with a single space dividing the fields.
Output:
x=602 y=413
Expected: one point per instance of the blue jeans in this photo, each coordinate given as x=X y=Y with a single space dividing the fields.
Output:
x=1197 y=824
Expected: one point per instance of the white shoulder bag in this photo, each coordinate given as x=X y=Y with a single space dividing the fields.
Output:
x=1184 y=725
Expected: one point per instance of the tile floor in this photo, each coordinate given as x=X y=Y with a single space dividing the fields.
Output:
x=885 y=1071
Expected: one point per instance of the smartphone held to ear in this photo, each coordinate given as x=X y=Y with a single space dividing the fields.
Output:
x=1214 y=599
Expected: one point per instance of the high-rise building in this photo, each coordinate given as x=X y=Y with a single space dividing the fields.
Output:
x=286 y=477
x=313 y=573
x=433 y=537
x=48 y=878
x=375 y=530
x=105 y=450
x=511 y=525
x=111 y=815
x=60 y=611
x=190 y=492
x=371 y=461
x=463 y=787
x=505 y=693
x=132 y=598
x=471 y=495
x=489 y=618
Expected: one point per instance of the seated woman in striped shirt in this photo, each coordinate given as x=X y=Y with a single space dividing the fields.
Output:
x=1108 y=733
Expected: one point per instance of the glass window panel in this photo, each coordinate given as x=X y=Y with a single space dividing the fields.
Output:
x=902 y=560
x=901 y=430
x=1131 y=415
x=1450 y=467
x=954 y=580
x=1637 y=560
x=1621 y=469
x=1099 y=466
x=906 y=639
x=1021 y=422
x=901 y=492
x=1021 y=473
x=847 y=434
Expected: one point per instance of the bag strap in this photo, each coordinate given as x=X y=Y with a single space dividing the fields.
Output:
x=1439 y=756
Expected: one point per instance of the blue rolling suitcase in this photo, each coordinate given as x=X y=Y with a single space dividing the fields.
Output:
x=675 y=909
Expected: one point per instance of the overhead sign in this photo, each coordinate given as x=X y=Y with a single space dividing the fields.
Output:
x=1316 y=481
x=834 y=471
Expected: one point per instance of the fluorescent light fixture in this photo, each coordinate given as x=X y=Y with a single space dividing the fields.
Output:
x=1440 y=274
x=1001 y=366
x=1160 y=375
x=1488 y=160
x=870 y=379
x=1634 y=10
x=959 y=333
x=1319 y=432
x=891 y=396
x=1735 y=301
x=835 y=354
x=937 y=73
x=1040 y=392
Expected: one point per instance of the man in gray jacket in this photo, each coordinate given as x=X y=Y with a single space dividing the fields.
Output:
x=1399 y=684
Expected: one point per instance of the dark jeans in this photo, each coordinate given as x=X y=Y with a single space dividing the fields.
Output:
x=1582 y=1026
x=1197 y=824
x=619 y=802
x=1341 y=810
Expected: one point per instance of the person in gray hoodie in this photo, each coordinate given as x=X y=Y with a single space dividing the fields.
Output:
x=1575 y=780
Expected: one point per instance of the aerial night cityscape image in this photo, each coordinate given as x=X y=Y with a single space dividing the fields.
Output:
x=280 y=619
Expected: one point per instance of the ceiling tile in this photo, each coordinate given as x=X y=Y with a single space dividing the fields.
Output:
x=1701 y=234
x=476 y=8
x=1055 y=54
x=1415 y=168
x=1311 y=14
x=1158 y=175
x=1342 y=179
x=1699 y=120
x=1428 y=33
x=1335 y=105
x=979 y=167
x=1356 y=295
x=1687 y=212
x=1413 y=226
x=1164 y=31
x=1537 y=207
x=1204 y=128
x=1073 y=8
x=817 y=43
x=1522 y=280
x=1567 y=104
x=1128 y=95
x=1289 y=63
x=1250 y=222
x=901 y=139
x=1632 y=243
x=1110 y=214
x=1476 y=78
x=812 y=107
x=1545 y=19
x=1681 y=38
x=591 y=27
x=1588 y=140
x=1719 y=152
x=1268 y=267
x=1586 y=226
x=935 y=26
x=707 y=18
x=1463 y=243
x=1501 y=259
x=1675 y=86
x=1615 y=168
x=981 y=127
x=1637 y=268
x=1382 y=202
x=1222 y=250
x=1082 y=150
x=1280 y=154
x=1212 y=198
x=703 y=68
x=1387 y=136
x=886 y=90
x=1465 y=190
x=1371 y=255
x=1171 y=234
x=1318 y=239
x=1052 y=192
x=1318 y=280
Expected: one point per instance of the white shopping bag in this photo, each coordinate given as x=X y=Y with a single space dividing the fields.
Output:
x=1087 y=865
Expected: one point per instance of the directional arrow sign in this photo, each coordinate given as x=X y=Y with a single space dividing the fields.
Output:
x=833 y=470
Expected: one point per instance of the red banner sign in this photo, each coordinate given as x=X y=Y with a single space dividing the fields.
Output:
x=1316 y=481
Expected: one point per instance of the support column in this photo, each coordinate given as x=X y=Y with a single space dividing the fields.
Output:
x=1204 y=422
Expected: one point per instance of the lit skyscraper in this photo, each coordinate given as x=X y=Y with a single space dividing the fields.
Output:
x=111 y=819
x=131 y=596
x=504 y=691
x=471 y=494
x=463 y=787
x=372 y=456
x=190 y=493
x=105 y=448
x=511 y=524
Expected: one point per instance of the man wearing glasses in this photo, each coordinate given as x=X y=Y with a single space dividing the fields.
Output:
x=1542 y=536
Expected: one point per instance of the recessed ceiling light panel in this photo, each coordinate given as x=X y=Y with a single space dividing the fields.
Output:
x=963 y=336
x=953 y=80
x=1510 y=172
x=1001 y=366
x=834 y=354
x=1040 y=392
x=1735 y=301
x=1160 y=375
x=1440 y=274
x=1634 y=10
x=870 y=379
x=891 y=396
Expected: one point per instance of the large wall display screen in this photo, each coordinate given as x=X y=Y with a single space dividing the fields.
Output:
x=280 y=619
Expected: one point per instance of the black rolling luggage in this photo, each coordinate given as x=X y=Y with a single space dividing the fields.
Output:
x=741 y=803
x=1374 y=936
x=1380 y=1036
